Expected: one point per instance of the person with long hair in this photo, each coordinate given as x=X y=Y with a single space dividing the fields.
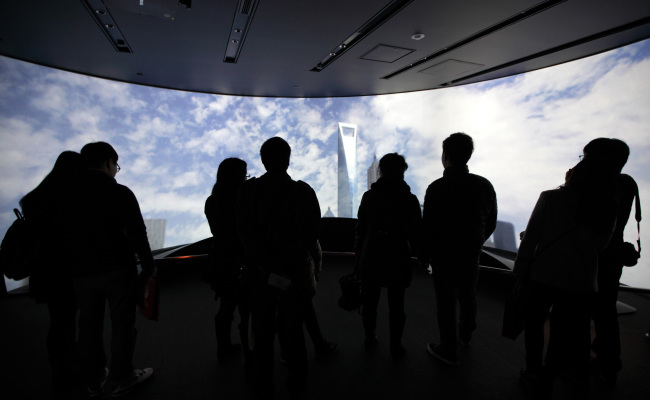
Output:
x=226 y=269
x=388 y=228
x=49 y=283
x=557 y=266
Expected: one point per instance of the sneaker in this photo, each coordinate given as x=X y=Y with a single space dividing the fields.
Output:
x=326 y=350
x=139 y=376
x=97 y=388
x=445 y=356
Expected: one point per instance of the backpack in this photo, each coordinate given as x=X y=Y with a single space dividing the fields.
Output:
x=18 y=251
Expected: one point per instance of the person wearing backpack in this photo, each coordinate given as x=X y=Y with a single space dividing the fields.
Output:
x=49 y=283
x=104 y=231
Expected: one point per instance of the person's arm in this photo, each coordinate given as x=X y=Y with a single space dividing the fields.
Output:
x=532 y=236
x=136 y=230
x=491 y=222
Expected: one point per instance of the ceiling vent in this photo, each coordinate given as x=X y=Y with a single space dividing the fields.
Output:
x=450 y=69
x=387 y=54
x=543 y=6
x=373 y=23
x=241 y=23
x=104 y=19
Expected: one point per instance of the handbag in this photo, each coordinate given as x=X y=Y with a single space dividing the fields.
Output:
x=151 y=306
x=350 y=299
x=513 y=316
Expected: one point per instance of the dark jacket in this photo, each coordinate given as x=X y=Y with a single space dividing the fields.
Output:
x=103 y=226
x=626 y=191
x=388 y=226
x=226 y=259
x=278 y=220
x=460 y=214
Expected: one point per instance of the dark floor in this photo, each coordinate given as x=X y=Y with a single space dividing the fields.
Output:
x=181 y=348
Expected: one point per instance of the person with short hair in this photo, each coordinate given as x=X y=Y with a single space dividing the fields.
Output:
x=104 y=232
x=460 y=214
x=278 y=220
x=388 y=228
x=607 y=342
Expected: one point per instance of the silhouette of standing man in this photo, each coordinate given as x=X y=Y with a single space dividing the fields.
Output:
x=104 y=228
x=460 y=213
x=278 y=220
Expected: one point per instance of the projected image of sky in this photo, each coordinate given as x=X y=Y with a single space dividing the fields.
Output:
x=528 y=130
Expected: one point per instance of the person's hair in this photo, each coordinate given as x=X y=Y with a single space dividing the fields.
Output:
x=275 y=154
x=230 y=175
x=393 y=165
x=594 y=179
x=66 y=166
x=614 y=151
x=458 y=147
x=95 y=154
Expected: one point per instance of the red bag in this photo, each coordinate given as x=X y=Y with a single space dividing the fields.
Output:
x=513 y=317
x=151 y=304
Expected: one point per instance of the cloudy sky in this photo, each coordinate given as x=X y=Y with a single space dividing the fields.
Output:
x=528 y=130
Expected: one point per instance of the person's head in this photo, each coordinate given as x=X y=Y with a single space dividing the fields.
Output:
x=457 y=149
x=65 y=167
x=275 y=154
x=614 y=151
x=100 y=156
x=230 y=175
x=393 y=165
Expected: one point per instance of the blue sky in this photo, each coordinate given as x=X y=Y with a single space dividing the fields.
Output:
x=528 y=130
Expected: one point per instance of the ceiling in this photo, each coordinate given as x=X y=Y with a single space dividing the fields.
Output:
x=310 y=48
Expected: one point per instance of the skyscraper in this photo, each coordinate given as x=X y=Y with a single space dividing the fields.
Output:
x=347 y=169
x=373 y=172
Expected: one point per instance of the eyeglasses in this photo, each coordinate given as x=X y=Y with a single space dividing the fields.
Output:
x=118 y=167
x=580 y=157
x=248 y=176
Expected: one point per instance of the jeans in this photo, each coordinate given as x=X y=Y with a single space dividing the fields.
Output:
x=273 y=308
x=118 y=289
x=396 y=316
x=607 y=343
x=454 y=287
x=568 y=349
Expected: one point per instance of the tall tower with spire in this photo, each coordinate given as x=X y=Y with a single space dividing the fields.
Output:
x=373 y=172
x=347 y=169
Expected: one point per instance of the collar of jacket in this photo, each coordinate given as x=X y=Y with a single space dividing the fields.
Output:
x=456 y=170
x=392 y=184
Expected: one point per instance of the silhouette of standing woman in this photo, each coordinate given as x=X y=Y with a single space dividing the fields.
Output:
x=226 y=259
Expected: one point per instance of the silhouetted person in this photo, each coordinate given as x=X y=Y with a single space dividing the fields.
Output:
x=227 y=264
x=104 y=230
x=607 y=343
x=460 y=214
x=278 y=221
x=50 y=283
x=556 y=267
x=388 y=227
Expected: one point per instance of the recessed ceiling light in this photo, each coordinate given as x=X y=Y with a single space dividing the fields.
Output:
x=418 y=36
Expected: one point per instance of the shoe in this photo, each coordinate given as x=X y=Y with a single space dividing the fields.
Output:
x=371 y=342
x=97 y=388
x=138 y=376
x=445 y=356
x=326 y=350
x=465 y=342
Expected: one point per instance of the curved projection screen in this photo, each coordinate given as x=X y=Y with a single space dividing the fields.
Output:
x=528 y=130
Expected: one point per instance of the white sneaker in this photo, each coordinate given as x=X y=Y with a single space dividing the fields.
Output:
x=139 y=376
x=97 y=388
